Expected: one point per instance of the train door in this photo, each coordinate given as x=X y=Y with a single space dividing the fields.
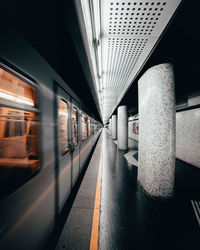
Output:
x=75 y=142
x=65 y=156
x=85 y=149
x=92 y=131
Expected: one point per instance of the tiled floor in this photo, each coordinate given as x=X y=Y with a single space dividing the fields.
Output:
x=128 y=218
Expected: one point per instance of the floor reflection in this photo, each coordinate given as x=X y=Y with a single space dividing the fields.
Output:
x=130 y=220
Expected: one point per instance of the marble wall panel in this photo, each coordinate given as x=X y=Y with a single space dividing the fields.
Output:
x=188 y=136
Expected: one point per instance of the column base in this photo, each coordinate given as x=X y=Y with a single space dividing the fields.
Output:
x=155 y=198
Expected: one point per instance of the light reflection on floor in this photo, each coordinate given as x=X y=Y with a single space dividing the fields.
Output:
x=130 y=220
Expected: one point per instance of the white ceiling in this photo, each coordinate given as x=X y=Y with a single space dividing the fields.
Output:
x=127 y=32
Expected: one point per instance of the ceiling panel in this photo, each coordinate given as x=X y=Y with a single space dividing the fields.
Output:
x=129 y=31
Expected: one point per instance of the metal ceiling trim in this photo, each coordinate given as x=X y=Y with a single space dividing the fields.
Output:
x=130 y=31
x=90 y=55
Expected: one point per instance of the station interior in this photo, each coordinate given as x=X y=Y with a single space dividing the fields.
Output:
x=125 y=74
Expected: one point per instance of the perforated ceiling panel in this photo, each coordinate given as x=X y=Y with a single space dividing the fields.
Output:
x=129 y=31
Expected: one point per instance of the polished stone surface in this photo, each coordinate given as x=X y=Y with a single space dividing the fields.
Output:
x=122 y=128
x=114 y=127
x=110 y=126
x=130 y=220
x=157 y=131
x=76 y=232
x=130 y=157
x=188 y=136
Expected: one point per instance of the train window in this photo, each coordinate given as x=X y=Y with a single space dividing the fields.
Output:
x=19 y=133
x=14 y=90
x=89 y=126
x=84 y=127
x=63 y=115
x=94 y=127
x=75 y=126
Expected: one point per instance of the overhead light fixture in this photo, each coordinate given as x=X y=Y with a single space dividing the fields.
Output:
x=96 y=17
x=17 y=99
x=96 y=25
x=91 y=10
x=101 y=84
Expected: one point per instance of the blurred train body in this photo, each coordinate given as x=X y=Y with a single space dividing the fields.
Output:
x=46 y=136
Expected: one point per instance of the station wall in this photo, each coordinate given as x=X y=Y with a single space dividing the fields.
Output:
x=188 y=136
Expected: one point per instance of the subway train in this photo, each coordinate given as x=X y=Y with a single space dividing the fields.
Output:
x=46 y=136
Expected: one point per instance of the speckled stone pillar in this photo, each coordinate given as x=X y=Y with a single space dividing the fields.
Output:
x=114 y=127
x=157 y=131
x=122 y=128
x=110 y=126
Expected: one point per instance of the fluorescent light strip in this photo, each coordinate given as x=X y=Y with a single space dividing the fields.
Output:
x=96 y=17
x=16 y=99
x=63 y=113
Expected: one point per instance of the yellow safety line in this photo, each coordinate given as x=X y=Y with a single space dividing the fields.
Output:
x=96 y=214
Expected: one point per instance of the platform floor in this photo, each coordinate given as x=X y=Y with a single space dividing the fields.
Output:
x=112 y=212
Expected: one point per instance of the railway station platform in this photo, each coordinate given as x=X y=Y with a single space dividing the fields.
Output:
x=111 y=211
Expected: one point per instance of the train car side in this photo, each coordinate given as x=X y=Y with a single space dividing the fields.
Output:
x=28 y=212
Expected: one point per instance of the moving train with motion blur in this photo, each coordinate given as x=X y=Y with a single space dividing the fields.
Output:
x=46 y=136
